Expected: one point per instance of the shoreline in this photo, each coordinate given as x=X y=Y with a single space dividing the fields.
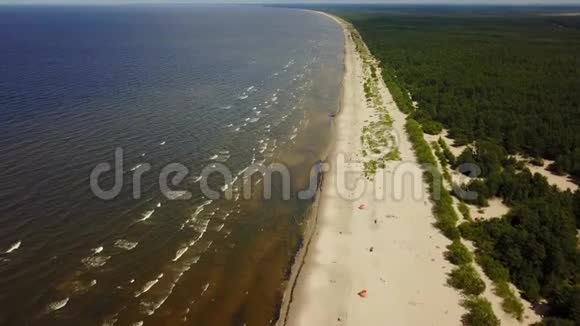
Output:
x=398 y=261
x=311 y=220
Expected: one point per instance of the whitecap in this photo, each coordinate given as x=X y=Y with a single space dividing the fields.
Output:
x=146 y=215
x=213 y=157
x=13 y=247
x=95 y=260
x=139 y=323
x=175 y=194
x=148 y=286
x=251 y=88
x=180 y=253
x=57 y=305
x=162 y=143
x=125 y=244
x=97 y=250
x=206 y=286
x=194 y=260
x=219 y=227
x=197 y=179
x=243 y=97
x=136 y=166
x=201 y=227
x=158 y=205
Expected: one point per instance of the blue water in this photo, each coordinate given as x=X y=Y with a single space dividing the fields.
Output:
x=166 y=84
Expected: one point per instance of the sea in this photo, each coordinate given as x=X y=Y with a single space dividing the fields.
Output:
x=116 y=126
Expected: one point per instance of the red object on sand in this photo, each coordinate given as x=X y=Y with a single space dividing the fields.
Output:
x=361 y=206
x=362 y=294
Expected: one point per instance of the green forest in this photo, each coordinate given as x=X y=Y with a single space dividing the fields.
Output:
x=505 y=81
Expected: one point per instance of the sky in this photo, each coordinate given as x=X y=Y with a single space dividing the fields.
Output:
x=495 y=2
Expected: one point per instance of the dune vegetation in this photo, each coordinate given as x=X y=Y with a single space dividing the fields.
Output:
x=506 y=83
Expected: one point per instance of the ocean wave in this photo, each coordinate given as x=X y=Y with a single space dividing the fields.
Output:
x=95 y=261
x=13 y=247
x=136 y=167
x=175 y=194
x=97 y=250
x=205 y=287
x=146 y=215
x=125 y=244
x=201 y=226
x=148 y=286
x=57 y=305
x=180 y=253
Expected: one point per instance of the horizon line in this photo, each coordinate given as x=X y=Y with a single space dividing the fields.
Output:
x=281 y=3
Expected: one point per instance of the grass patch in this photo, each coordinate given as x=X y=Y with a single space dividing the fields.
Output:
x=510 y=302
x=458 y=254
x=464 y=210
x=479 y=312
x=442 y=201
x=466 y=279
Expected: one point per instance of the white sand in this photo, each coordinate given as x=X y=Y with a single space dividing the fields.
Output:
x=563 y=182
x=495 y=209
x=455 y=150
x=405 y=274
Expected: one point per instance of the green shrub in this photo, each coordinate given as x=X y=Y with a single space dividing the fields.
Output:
x=466 y=278
x=464 y=210
x=432 y=127
x=479 y=313
x=537 y=161
x=493 y=268
x=510 y=302
x=451 y=159
x=443 y=205
x=458 y=254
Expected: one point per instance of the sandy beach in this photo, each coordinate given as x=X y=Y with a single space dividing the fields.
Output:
x=377 y=238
